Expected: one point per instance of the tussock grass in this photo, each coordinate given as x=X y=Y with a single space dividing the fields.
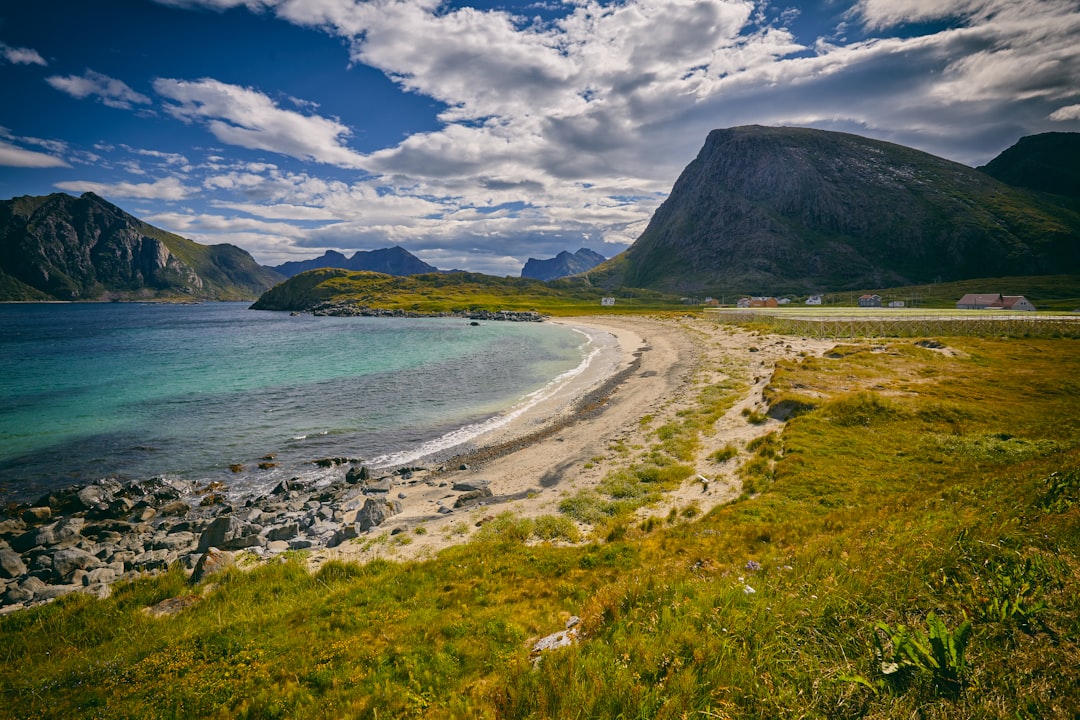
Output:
x=914 y=551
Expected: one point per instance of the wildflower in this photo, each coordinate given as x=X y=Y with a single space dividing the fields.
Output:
x=753 y=565
x=748 y=590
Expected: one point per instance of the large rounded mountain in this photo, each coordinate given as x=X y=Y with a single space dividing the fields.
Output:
x=766 y=210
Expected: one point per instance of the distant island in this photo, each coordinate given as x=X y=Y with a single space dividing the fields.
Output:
x=562 y=265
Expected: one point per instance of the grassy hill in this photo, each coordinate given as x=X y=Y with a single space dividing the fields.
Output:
x=907 y=545
x=452 y=292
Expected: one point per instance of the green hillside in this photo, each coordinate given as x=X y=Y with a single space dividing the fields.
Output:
x=451 y=292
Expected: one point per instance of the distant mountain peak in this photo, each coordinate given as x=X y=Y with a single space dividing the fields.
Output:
x=562 y=265
x=394 y=260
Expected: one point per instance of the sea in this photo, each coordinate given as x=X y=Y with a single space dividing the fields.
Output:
x=194 y=392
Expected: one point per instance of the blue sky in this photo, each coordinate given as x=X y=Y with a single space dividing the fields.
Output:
x=479 y=134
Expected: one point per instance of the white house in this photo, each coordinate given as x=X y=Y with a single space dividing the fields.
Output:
x=813 y=300
x=607 y=302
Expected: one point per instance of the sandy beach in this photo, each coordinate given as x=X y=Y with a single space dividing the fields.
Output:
x=654 y=369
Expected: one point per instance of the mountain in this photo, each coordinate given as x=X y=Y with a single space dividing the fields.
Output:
x=389 y=261
x=1048 y=163
x=766 y=210
x=562 y=265
x=59 y=247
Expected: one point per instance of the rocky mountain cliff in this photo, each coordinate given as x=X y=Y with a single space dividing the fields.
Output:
x=389 y=261
x=562 y=265
x=59 y=247
x=766 y=210
x=1047 y=163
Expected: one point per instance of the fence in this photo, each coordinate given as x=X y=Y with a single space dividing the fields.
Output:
x=897 y=323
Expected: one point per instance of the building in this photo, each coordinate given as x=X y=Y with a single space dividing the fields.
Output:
x=607 y=302
x=763 y=302
x=814 y=300
x=994 y=301
x=869 y=301
x=896 y=304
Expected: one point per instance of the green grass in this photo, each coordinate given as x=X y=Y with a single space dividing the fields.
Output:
x=913 y=550
x=456 y=292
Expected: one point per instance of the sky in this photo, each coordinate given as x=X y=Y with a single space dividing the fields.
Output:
x=479 y=134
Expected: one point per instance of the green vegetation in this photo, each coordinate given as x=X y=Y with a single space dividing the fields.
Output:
x=455 y=292
x=1055 y=293
x=912 y=550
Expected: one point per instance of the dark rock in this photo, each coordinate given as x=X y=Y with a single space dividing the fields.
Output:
x=471 y=485
x=472 y=497
x=349 y=532
x=17 y=595
x=178 y=542
x=37 y=515
x=357 y=475
x=98 y=529
x=330 y=462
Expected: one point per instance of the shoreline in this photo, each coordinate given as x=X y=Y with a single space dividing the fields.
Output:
x=84 y=539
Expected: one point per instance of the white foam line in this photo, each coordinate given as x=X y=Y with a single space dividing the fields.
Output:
x=469 y=432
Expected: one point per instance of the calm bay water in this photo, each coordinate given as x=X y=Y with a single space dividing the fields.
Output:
x=138 y=390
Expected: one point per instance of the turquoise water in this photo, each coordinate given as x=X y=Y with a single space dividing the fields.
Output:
x=138 y=390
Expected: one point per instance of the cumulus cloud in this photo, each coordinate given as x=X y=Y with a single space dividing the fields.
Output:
x=21 y=56
x=164 y=189
x=248 y=118
x=109 y=91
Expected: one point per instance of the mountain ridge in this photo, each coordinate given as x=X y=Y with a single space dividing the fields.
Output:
x=59 y=247
x=394 y=260
x=767 y=210
x=562 y=265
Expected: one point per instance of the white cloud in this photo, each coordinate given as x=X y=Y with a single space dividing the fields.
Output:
x=21 y=56
x=164 y=189
x=248 y=118
x=14 y=156
x=1069 y=112
x=109 y=91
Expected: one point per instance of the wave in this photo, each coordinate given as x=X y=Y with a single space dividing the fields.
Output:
x=472 y=431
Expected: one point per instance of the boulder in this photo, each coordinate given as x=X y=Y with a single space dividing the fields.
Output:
x=212 y=562
x=471 y=485
x=37 y=515
x=373 y=513
x=66 y=561
x=283 y=532
x=472 y=497
x=228 y=533
x=176 y=508
x=11 y=565
x=357 y=475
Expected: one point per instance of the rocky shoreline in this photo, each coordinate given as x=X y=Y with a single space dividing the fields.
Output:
x=347 y=309
x=84 y=539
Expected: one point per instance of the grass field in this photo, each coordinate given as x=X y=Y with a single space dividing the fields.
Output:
x=908 y=545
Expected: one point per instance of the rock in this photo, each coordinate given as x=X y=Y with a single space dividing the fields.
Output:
x=349 y=532
x=229 y=533
x=11 y=565
x=382 y=485
x=277 y=546
x=51 y=592
x=472 y=497
x=176 y=508
x=171 y=606
x=373 y=513
x=153 y=560
x=444 y=510
x=178 y=542
x=37 y=515
x=357 y=475
x=101 y=575
x=17 y=595
x=471 y=485
x=66 y=561
x=212 y=562
x=283 y=532
x=564 y=638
